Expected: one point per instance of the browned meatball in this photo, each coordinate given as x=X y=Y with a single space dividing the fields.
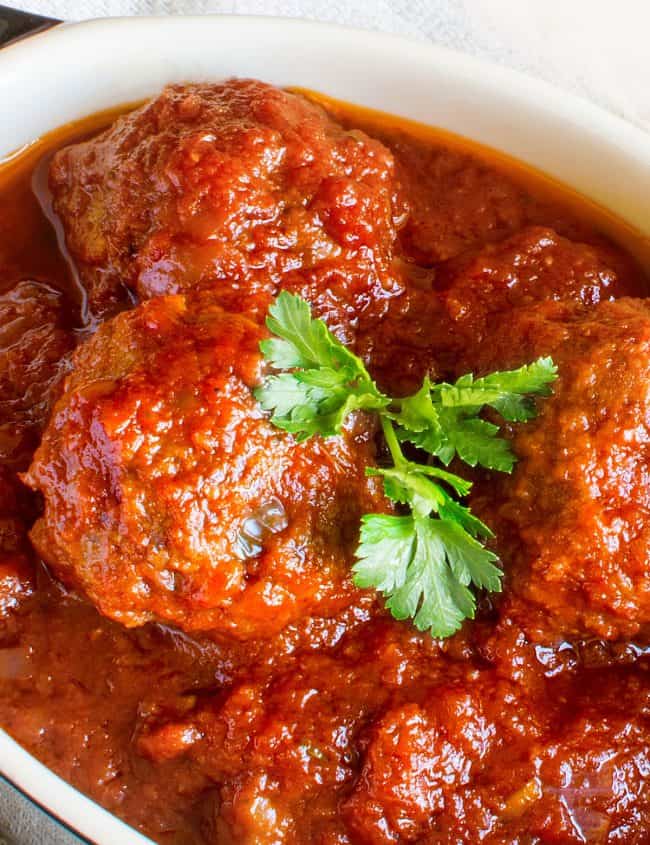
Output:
x=571 y=521
x=296 y=753
x=168 y=494
x=533 y=265
x=483 y=756
x=446 y=314
x=17 y=580
x=389 y=740
x=239 y=187
x=35 y=343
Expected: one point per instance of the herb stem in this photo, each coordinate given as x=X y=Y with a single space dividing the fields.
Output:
x=428 y=557
x=392 y=442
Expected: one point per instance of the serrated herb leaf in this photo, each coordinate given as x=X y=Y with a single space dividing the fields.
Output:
x=417 y=412
x=330 y=382
x=430 y=594
x=443 y=419
x=284 y=393
x=425 y=563
x=383 y=538
x=508 y=392
x=303 y=341
x=470 y=562
x=449 y=508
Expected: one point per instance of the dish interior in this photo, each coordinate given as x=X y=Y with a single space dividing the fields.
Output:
x=181 y=637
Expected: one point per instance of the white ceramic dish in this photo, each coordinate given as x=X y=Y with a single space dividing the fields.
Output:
x=76 y=69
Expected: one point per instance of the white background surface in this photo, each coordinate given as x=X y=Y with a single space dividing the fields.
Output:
x=595 y=48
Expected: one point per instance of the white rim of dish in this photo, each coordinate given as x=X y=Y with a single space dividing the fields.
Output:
x=575 y=141
x=597 y=153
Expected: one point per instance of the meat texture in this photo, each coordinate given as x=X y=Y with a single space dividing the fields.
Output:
x=170 y=496
x=238 y=187
x=387 y=741
x=447 y=314
x=571 y=520
x=35 y=343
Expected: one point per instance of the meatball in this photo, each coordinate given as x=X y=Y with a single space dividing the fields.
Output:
x=17 y=580
x=533 y=265
x=440 y=324
x=287 y=749
x=571 y=520
x=458 y=200
x=35 y=343
x=170 y=496
x=387 y=738
x=238 y=187
x=417 y=763
x=591 y=783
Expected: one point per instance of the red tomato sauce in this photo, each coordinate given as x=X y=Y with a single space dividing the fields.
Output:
x=302 y=712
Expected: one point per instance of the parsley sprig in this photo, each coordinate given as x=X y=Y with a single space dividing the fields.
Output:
x=426 y=560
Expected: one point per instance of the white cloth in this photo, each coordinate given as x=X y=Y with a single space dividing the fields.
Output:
x=595 y=48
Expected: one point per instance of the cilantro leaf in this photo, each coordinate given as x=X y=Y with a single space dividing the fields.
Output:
x=415 y=479
x=474 y=440
x=449 y=508
x=426 y=562
x=443 y=419
x=383 y=538
x=284 y=393
x=417 y=413
x=301 y=341
x=424 y=565
x=424 y=568
x=508 y=392
x=470 y=561
x=328 y=381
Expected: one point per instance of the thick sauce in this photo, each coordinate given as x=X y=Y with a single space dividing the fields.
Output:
x=339 y=725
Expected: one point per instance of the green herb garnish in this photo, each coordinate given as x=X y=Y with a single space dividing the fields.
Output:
x=425 y=561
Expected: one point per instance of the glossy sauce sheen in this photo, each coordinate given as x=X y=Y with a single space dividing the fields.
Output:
x=325 y=721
